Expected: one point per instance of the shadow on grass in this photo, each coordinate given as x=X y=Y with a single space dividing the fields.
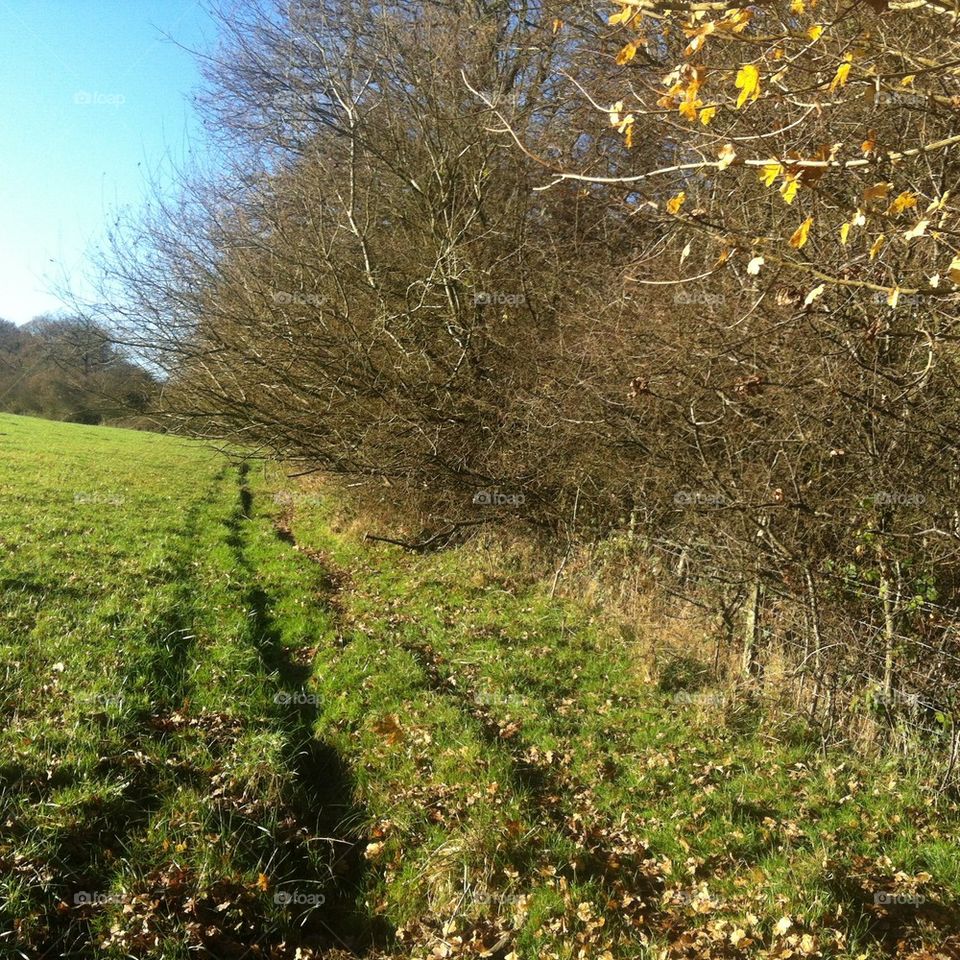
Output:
x=322 y=840
x=891 y=917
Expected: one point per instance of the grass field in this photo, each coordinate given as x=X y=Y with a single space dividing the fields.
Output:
x=233 y=729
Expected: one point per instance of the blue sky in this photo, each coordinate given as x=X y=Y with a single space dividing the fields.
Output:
x=95 y=99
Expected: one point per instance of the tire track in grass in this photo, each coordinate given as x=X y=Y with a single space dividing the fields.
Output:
x=323 y=801
x=285 y=822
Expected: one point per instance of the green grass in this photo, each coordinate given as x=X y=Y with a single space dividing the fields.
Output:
x=214 y=695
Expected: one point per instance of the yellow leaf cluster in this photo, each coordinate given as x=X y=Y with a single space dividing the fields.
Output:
x=623 y=15
x=903 y=201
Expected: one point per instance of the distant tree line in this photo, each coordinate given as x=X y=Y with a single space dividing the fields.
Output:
x=69 y=369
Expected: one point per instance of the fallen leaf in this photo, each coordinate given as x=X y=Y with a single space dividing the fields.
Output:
x=782 y=926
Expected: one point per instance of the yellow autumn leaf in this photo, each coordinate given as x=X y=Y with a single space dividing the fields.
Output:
x=903 y=201
x=877 y=245
x=844 y=233
x=748 y=83
x=675 y=203
x=557 y=25
x=894 y=298
x=707 y=114
x=622 y=16
x=797 y=6
x=769 y=172
x=788 y=189
x=908 y=80
x=917 y=230
x=815 y=32
x=800 y=235
x=843 y=71
x=627 y=53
